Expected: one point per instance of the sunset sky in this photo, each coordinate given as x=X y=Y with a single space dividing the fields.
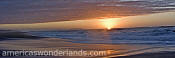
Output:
x=85 y=14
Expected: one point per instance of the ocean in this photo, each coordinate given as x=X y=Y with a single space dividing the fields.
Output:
x=141 y=35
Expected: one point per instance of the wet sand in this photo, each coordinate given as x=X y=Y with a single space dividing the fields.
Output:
x=151 y=55
x=115 y=50
x=55 y=43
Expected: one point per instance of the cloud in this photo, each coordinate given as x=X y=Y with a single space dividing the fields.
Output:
x=38 y=11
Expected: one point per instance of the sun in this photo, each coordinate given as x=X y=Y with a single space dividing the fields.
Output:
x=109 y=23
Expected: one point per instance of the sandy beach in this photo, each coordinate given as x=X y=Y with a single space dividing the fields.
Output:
x=114 y=50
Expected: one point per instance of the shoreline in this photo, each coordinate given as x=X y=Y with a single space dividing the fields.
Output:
x=23 y=41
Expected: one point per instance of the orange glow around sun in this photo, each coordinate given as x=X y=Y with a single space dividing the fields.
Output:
x=109 y=23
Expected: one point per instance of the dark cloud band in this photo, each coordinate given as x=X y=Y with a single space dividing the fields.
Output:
x=38 y=11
